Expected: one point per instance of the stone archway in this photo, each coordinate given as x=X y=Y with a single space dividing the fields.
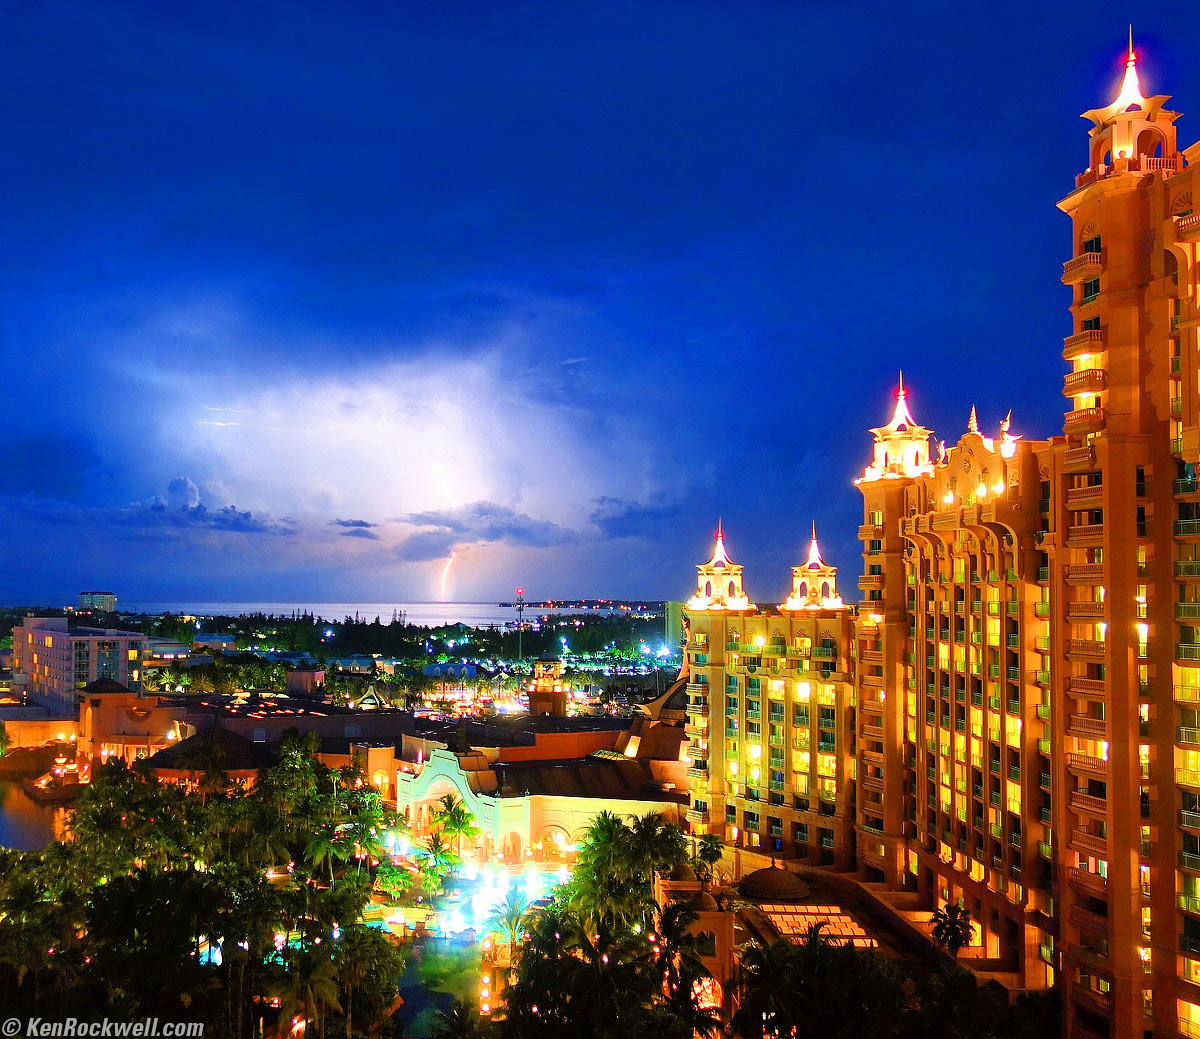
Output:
x=552 y=843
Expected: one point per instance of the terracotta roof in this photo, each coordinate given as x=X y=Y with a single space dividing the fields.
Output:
x=229 y=751
x=586 y=777
x=774 y=884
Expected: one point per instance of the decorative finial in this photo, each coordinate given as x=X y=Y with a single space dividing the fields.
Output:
x=1131 y=57
x=901 y=382
x=814 y=534
x=1006 y=422
x=973 y=421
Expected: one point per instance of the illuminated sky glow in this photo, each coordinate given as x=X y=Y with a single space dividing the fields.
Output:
x=301 y=299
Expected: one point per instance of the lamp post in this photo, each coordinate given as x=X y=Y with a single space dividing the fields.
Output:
x=520 y=624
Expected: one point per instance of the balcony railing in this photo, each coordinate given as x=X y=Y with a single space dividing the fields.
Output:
x=1187 y=528
x=1090 y=380
x=1090 y=341
x=1088 y=265
x=1084 y=420
x=1088 y=803
x=1087 y=763
x=1085 y=647
x=1092 y=573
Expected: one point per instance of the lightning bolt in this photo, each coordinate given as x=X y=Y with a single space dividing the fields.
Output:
x=446 y=572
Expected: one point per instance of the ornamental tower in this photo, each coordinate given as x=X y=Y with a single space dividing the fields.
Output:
x=814 y=584
x=1123 y=540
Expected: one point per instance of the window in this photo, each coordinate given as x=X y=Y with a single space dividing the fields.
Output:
x=1091 y=289
x=1092 y=245
x=1091 y=324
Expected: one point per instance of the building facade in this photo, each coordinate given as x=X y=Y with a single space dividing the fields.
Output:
x=57 y=660
x=953 y=641
x=1025 y=689
x=771 y=713
x=1123 y=545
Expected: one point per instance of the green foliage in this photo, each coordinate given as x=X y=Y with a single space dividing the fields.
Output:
x=169 y=903
x=588 y=966
x=952 y=927
x=5 y=739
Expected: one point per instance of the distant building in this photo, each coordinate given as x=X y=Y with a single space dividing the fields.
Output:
x=214 y=640
x=771 y=712
x=58 y=660
x=103 y=602
x=673 y=625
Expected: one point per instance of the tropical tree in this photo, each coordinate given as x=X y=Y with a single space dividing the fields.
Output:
x=709 y=850
x=308 y=991
x=511 y=915
x=456 y=821
x=460 y=1021
x=952 y=927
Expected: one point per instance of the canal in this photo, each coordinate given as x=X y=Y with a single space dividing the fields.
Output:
x=25 y=824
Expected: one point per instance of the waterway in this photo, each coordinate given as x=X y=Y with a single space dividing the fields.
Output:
x=429 y=614
x=25 y=824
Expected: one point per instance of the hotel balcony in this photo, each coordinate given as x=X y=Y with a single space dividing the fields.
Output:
x=1080 y=457
x=1092 y=882
x=870 y=532
x=1085 y=534
x=867 y=582
x=1088 y=998
x=1081 y=802
x=1189 y=820
x=698 y=772
x=1187 y=528
x=1085 y=497
x=1086 y=573
x=1088 y=342
x=1085 y=648
x=1092 y=380
x=697 y=706
x=1085 y=610
x=1187 y=227
x=1084 y=420
x=1187 y=651
x=1090 y=687
x=1081 y=917
x=1083 y=267
x=872 y=732
x=1088 y=764
x=1187 y=568
x=1089 y=844
x=1093 y=958
x=1086 y=727
x=697 y=815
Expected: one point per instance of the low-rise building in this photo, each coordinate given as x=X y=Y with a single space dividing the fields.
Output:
x=57 y=660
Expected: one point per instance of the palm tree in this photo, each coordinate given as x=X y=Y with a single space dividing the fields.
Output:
x=952 y=927
x=308 y=990
x=510 y=914
x=325 y=847
x=709 y=850
x=460 y=1021
x=456 y=821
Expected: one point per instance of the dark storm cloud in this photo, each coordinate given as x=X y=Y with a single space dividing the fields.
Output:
x=356 y=524
x=617 y=518
x=361 y=532
x=480 y=522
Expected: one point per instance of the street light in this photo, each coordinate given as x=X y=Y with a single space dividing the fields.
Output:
x=520 y=625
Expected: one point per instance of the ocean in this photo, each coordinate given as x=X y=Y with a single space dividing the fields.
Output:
x=428 y=614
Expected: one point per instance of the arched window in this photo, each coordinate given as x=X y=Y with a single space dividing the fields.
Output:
x=803 y=590
x=825 y=590
x=732 y=589
x=708 y=589
x=1150 y=143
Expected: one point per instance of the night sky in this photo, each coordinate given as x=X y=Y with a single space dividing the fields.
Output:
x=299 y=298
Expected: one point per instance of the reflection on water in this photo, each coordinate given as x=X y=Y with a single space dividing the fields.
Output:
x=25 y=824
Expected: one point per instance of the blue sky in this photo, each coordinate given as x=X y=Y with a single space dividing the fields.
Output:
x=299 y=298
